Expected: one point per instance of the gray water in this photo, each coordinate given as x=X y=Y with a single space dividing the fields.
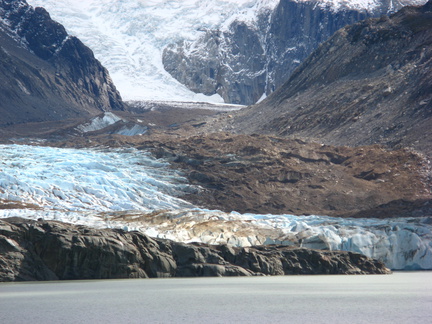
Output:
x=398 y=298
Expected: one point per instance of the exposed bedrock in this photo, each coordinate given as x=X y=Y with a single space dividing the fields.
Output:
x=245 y=60
x=46 y=74
x=370 y=83
x=52 y=250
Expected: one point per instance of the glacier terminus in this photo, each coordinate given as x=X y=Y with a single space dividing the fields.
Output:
x=131 y=190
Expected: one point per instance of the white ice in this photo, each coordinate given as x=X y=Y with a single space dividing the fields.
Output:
x=89 y=180
x=99 y=122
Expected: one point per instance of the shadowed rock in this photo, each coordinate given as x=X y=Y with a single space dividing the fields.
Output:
x=46 y=74
x=49 y=250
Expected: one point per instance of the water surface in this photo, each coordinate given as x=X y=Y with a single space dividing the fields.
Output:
x=404 y=297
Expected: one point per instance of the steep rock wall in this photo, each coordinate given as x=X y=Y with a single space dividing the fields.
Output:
x=45 y=73
x=369 y=84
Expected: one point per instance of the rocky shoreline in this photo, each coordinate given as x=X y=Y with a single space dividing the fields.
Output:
x=50 y=250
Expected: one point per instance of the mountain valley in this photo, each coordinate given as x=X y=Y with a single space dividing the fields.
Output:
x=216 y=51
x=336 y=155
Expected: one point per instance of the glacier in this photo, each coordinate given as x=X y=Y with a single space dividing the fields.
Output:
x=130 y=189
x=81 y=180
x=128 y=37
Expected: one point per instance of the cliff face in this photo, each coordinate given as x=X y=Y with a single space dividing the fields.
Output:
x=247 y=60
x=52 y=250
x=370 y=83
x=296 y=29
x=45 y=74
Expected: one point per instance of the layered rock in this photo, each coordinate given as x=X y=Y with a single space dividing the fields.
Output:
x=247 y=60
x=45 y=73
x=52 y=250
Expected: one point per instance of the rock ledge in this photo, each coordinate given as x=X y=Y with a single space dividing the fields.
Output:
x=50 y=250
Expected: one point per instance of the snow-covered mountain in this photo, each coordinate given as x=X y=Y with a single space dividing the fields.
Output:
x=129 y=38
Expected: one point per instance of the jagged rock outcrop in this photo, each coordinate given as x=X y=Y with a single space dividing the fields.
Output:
x=370 y=83
x=46 y=74
x=247 y=59
x=231 y=63
x=31 y=250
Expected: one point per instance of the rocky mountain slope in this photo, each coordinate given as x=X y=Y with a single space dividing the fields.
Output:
x=244 y=59
x=267 y=174
x=370 y=83
x=46 y=74
x=52 y=250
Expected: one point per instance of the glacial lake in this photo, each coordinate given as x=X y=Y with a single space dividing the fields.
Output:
x=403 y=297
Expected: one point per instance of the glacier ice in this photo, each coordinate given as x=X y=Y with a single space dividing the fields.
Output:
x=128 y=37
x=107 y=119
x=99 y=122
x=127 y=188
x=81 y=180
x=401 y=243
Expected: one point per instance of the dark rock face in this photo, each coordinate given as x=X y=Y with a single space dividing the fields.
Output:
x=248 y=60
x=370 y=83
x=296 y=30
x=45 y=73
x=51 y=250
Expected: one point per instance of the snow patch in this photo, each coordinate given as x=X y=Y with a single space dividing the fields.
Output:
x=133 y=130
x=23 y=88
